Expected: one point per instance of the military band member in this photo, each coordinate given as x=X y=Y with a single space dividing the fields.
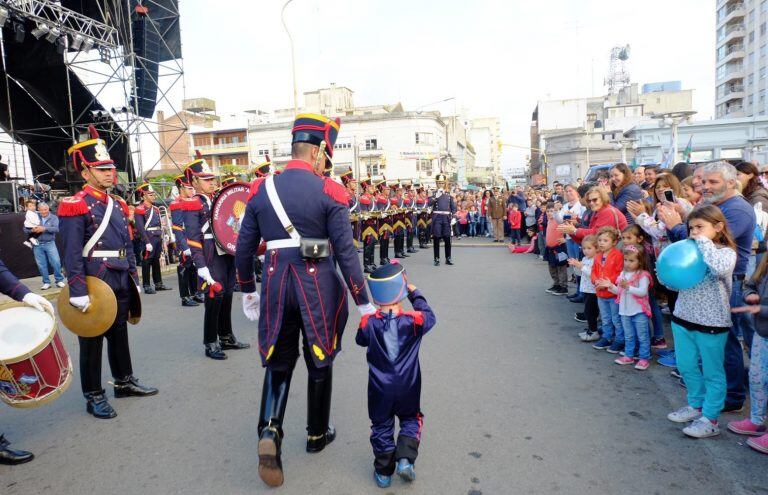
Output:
x=96 y=242
x=214 y=267
x=422 y=215
x=385 y=220
x=228 y=179
x=370 y=234
x=443 y=208
x=185 y=270
x=398 y=224
x=409 y=202
x=150 y=231
x=300 y=294
x=350 y=184
x=261 y=171
x=13 y=288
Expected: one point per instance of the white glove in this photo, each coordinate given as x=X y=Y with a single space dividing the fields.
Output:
x=252 y=306
x=82 y=303
x=138 y=288
x=366 y=309
x=188 y=252
x=38 y=302
x=205 y=274
x=149 y=247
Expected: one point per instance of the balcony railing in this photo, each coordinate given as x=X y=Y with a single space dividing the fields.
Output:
x=730 y=50
x=729 y=30
x=728 y=10
x=734 y=109
x=223 y=146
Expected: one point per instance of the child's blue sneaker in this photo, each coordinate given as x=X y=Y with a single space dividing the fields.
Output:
x=381 y=480
x=616 y=348
x=665 y=352
x=602 y=344
x=669 y=361
x=405 y=470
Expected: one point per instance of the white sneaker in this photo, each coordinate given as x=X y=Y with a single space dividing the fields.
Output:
x=45 y=287
x=60 y=284
x=684 y=415
x=583 y=335
x=590 y=337
x=702 y=428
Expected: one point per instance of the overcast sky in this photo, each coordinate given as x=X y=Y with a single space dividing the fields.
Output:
x=495 y=57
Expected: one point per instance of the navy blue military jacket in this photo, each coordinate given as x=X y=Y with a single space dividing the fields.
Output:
x=318 y=208
x=177 y=220
x=148 y=231
x=393 y=377
x=10 y=285
x=80 y=216
x=197 y=230
x=444 y=203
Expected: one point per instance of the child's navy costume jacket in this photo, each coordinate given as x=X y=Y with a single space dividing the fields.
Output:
x=394 y=378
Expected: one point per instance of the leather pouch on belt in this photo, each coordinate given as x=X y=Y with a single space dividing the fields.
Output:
x=314 y=249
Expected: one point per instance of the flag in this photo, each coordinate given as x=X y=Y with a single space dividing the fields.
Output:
x=688 y=150
x=633 y=165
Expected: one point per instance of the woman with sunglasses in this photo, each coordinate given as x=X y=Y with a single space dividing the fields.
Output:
x=603 y=215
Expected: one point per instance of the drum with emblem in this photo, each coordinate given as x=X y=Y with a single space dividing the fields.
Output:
x=227 y=212
x=34 y=365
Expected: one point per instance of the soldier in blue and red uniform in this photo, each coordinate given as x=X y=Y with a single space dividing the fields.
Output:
x=398 y=224
x=150 y=231
x=443 y=208
x=370 y=234
x=393 y=337
x=422 y=230
x=299 y=295
x=185 y=270
x=385 y=220
x=259 y=172
x=90 y=248
x=13 y=288
x=350 y=184
x=409 y=202
x=215 y=267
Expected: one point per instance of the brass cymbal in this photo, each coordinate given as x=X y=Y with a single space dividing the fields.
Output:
x=100 y=315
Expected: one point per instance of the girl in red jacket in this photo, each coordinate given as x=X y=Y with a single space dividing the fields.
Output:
x=608 y=265
x=515 y=218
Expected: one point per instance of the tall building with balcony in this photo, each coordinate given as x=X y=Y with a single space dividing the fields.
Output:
x=740 y=69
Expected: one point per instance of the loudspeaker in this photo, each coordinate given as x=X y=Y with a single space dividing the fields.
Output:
x=146 y=46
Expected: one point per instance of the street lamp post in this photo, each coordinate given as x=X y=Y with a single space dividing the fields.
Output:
x=293 y=59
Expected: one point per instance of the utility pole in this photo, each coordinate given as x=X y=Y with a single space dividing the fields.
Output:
x=293 y=59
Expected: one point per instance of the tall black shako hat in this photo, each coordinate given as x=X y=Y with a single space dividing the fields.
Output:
x=198 y=168
x=91 y=153
x=388 y=284
x=144 y=189
x=347 y=176
x=316 y=129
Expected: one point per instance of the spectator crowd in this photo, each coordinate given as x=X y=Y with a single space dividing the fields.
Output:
x=601 y=242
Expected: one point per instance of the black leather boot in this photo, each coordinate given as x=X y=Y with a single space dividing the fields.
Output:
x=214 y=351
x=274 y=397
x=130 y=387
x=148 y=289
x=98 y=406
x=320 y=432
x=230 y=342
x=11 y=457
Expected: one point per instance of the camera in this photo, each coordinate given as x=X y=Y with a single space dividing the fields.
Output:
x=669 y=196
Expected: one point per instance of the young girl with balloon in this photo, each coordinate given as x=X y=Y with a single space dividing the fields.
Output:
x=607 y=267
x=701 y=268
x=632 y=288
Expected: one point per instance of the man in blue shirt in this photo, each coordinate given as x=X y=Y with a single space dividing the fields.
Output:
x=719 y=188
x=46 y=253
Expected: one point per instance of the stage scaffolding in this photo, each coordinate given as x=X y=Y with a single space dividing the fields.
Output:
x=101 y=57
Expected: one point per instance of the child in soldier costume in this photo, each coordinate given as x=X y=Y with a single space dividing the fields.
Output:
x=393 y=337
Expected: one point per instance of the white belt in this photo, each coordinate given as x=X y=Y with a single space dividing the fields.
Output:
x=283 y=243
x=442 y=212
x=105 y=254
x=152 y=228
x=207 y=236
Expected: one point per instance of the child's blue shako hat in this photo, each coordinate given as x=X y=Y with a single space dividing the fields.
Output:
x=388 y=284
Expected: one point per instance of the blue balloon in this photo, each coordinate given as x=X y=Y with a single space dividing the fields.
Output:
x=681 y=266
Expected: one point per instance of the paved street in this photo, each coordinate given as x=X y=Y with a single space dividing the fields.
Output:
x=513 y=403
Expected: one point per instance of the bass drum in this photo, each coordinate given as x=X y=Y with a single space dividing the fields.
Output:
x=227 y=212
x=34 y=365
